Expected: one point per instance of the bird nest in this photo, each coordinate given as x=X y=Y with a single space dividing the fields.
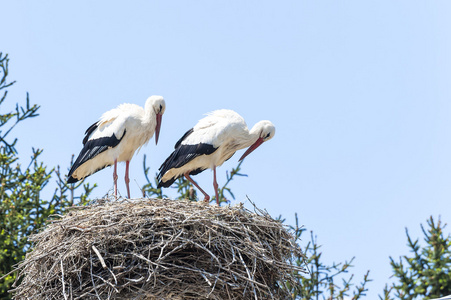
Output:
x=160 y=249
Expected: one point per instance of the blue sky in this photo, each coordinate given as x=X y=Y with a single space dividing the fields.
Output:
x=358 y=91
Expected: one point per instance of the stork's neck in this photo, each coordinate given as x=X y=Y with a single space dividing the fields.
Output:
x=149 y=113
x=253 y=136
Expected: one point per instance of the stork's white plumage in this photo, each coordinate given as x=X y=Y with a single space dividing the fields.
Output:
x=116 y=137
x=209 y=144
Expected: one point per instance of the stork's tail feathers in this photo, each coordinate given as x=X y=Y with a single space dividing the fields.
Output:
x=167 y=183
x=167 y=164
x=72 y=179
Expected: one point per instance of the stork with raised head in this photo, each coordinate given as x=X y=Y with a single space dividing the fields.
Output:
x=209 y=144
x=116 y=137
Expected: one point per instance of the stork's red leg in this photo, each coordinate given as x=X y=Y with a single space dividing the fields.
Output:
x=127 y=179
x=215 y=185
x=115 y=177
x=207 y=198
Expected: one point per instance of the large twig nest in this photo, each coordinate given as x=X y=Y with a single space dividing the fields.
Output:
x=159 y=249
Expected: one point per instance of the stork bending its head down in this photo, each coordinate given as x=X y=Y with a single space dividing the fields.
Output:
x=116 y=137
x=209 y=144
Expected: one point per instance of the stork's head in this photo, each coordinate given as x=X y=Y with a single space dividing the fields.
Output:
x=264 y=130
x=158 y=106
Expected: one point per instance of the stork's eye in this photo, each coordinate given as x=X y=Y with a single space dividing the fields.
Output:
x=267 y=136
x=161 y=107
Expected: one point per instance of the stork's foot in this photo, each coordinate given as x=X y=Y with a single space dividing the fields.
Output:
x=207 y=199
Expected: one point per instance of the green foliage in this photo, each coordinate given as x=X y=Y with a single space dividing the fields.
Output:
x=185 y=189
x=235 y=172
x=150 y=189
x=22 y=210
x=15 y=117
x=425 y=274
x=322 y=282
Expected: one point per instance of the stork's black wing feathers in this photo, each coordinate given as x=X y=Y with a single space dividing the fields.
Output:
x=91 y=149
x=179 y=142
x=182 y=155
x=89 y=131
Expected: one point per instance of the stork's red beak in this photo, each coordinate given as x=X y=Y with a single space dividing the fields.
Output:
x=157 y=128
x=252 y=148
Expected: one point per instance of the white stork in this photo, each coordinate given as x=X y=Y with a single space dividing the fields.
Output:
x=209 y=144
x=116 y=137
